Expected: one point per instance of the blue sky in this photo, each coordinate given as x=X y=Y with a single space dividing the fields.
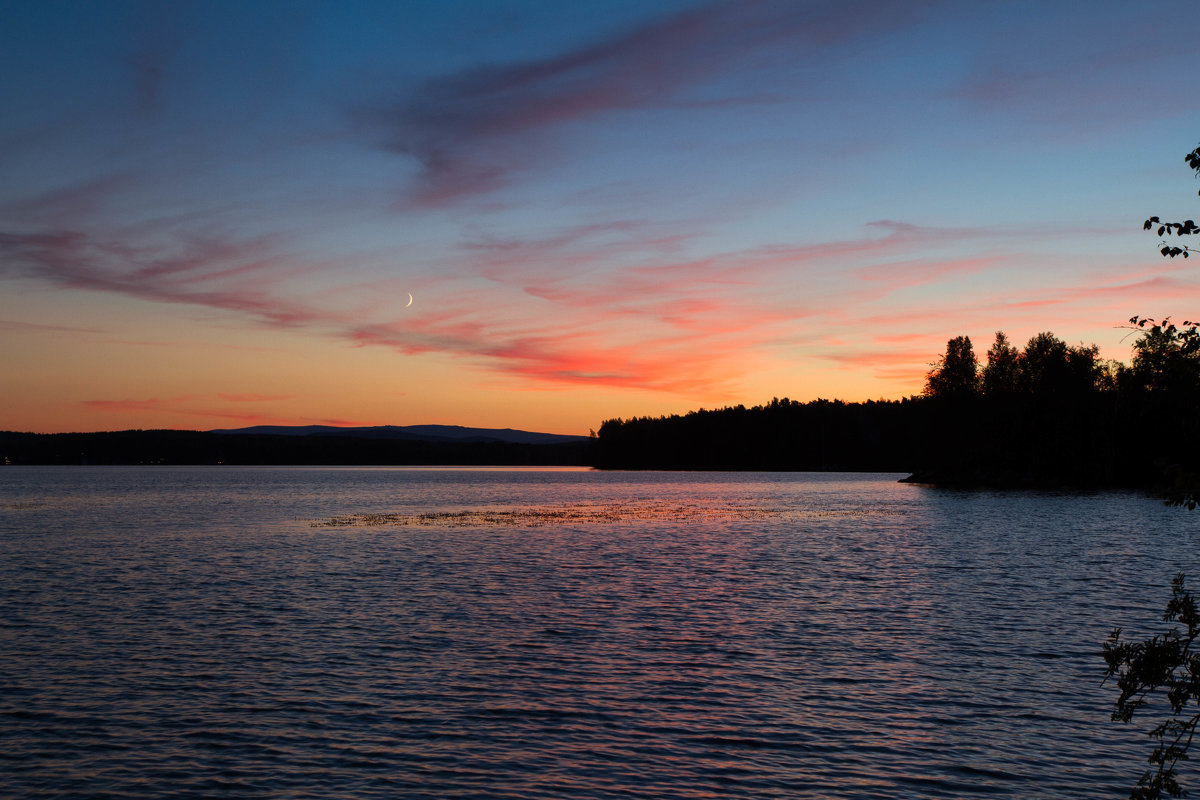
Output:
x=216 y=212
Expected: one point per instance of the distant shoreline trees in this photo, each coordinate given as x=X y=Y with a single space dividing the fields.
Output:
x=782 y=435
x=1049 y=415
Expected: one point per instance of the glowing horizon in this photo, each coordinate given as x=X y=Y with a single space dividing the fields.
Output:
x=215 y=215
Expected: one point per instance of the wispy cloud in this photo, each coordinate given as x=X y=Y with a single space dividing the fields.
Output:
x=660 y=322
x=131 y=404
x=65 y=205
x=179 y=272
x=471 y=130
x=907 y=367
x=18 y=326
x=203 y=406
x=1045 y=85
x=1135 y=292
x=255 y=398
x=917 y=272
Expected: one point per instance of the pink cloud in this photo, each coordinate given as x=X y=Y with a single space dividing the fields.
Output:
x=659 y=322
x=663 y=364
x=907 y=366
x=571 y=251
x=1138 y=291
x=690 y=297
x=878 y=358
x=546 y=270
x=901 y=338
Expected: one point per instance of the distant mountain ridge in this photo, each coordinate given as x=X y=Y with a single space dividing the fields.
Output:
x=422 y=433
x=308 y=445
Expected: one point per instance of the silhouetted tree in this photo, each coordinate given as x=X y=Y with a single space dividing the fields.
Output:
x=1002 y=375
x=1165 y=380
x=1166 y=357
x=1085 y=368
x=1045 y=363
x=955 y=374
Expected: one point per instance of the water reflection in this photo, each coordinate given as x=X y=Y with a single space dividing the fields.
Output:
x=545 y=634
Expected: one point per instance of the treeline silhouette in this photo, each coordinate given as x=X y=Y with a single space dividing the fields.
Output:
x=1048 y=415
x=199 y=447
x=781 y=435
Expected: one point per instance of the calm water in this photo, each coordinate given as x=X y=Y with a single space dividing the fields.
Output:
x=260 y=632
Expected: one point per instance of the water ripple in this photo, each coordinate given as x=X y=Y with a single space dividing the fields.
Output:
x=192 y=632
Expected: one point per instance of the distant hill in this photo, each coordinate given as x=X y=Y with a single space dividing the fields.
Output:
x=420 y=433
x=311 y=445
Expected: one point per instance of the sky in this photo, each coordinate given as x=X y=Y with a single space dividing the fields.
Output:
x=214 y=214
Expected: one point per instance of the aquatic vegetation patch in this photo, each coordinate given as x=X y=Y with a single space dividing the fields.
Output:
x=574 y=514
x=21 y=505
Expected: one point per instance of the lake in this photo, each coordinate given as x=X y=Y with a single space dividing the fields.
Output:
x=523 y=633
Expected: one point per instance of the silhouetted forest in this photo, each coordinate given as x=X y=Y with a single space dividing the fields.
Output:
x=781 y=435
x=1048 y=415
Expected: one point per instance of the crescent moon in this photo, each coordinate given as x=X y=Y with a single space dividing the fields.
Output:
x=410 y=299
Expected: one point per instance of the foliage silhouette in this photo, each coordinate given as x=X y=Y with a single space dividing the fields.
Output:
x=1178 y=229
x=1166 y=372
x=1166 y=365
x=956 y=373
x=1002 y=374
x=1168 y=662
x=1166 y=357
x=1034 y=417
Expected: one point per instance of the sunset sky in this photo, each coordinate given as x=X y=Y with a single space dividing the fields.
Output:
x=214 y=214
